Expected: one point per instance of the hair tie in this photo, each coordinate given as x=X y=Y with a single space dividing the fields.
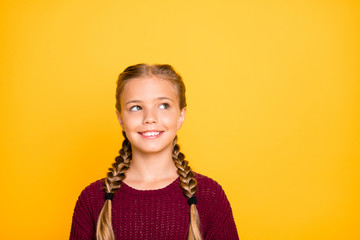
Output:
x=192 y=200
x=109 y=196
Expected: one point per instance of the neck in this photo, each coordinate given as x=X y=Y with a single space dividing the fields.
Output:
x=151 y=167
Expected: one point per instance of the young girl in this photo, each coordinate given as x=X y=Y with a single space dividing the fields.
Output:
x=150 y=192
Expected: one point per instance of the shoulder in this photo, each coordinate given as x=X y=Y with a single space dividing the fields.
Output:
x=91 y=198
x=203 y=178
x=213 y=207
x=87 y=208
x=95 y=186
x=93 y=193
x=207 y=184
x=210 y=190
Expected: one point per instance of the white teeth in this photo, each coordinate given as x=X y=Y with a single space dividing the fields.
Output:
x=148 y=134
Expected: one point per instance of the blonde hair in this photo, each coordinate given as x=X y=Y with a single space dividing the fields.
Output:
x=116 y=174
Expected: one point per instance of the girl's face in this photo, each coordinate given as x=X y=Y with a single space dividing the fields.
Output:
x=150 y=114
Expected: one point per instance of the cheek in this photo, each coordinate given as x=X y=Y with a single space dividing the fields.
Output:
x=130 y=122
x=170 y=119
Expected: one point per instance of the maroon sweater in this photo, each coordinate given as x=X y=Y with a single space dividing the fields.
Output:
x=155 y=214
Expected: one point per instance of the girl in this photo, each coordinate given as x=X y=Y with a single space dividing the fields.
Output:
x=150 y=192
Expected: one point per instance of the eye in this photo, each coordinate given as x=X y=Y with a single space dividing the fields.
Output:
x=164 y=106
x=135 y=108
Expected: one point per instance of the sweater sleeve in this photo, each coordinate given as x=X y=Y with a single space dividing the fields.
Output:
x=227 y=229
x=217 y=214
x=83 y=226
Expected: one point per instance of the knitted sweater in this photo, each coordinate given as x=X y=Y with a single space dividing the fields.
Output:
x=155 y=214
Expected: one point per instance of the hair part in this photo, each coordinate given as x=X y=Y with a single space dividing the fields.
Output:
x=163 y=71
x=116 y=174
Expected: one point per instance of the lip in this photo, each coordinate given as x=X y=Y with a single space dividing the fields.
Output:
x=151 y=137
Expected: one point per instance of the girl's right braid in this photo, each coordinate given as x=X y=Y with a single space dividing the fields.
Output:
x=188 y=184
x=115 y=176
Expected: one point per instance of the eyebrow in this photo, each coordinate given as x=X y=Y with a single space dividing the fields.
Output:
x=159 y=98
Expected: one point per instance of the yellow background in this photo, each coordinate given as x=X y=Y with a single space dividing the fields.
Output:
x=273 y=107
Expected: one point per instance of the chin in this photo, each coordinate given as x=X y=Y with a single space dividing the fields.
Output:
x=153 y=149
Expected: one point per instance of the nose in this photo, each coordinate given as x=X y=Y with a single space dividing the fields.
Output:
x=150 y=116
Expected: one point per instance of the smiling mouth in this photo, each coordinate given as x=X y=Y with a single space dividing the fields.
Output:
x=151 y=134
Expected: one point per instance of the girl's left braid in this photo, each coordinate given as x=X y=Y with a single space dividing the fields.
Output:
x=188 y=184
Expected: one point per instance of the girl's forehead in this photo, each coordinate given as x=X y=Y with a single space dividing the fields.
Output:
x=149 y=87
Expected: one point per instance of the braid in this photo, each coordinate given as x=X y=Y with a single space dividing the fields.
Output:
x=188 y=184
x=115 y=176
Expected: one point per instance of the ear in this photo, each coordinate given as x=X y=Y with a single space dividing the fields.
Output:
x=120 y=119
x=181 y=118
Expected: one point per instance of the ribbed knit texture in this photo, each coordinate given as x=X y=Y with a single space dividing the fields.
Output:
x=155 y=214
